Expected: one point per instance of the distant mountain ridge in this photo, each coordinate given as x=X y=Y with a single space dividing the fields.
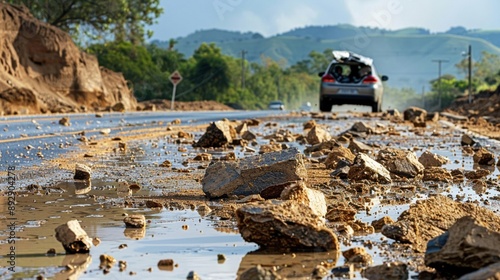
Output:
x=405 y=55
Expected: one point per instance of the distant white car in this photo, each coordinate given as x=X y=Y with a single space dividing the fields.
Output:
x=306 y=106
x=276 y=105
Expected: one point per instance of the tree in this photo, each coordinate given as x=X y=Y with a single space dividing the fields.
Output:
x=125 y=20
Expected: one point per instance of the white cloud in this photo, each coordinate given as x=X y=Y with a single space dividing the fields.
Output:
x=295 y=16
x=183 y=17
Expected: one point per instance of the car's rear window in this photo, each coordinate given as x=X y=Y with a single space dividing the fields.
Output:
x=351 y=73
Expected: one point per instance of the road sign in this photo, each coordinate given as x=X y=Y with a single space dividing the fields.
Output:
x=175 y=77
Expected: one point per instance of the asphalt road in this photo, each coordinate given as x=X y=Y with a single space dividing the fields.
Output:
x=24 y=139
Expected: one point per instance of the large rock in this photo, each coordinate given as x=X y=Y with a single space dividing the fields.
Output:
x=318 y=135
x=415 y=114
x=387 y=271
x=358 y=147
x=484 y=157
x=73 y=238
x=258 y=272
x=218 y=134
x=430 y=218
x=82 y=172
x=365 y=168
x=312 y=198
x=285 y=226
x=490 y=272
x=437 y=174
x=338 y=153
x=428 y=159
x=255 y=175
x=400 y=162
x=465 y=247
x=42 y=63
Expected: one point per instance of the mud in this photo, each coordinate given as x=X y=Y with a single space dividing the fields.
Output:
x=191 y=230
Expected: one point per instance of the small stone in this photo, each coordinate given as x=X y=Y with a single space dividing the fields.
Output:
x=107 y=261
x=135 y=221
x=82 y=172
x=65 y=121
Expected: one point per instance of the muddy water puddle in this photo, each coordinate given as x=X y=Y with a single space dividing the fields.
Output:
x=185 y=236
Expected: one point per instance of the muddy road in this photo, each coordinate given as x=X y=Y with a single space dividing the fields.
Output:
x=149 y=167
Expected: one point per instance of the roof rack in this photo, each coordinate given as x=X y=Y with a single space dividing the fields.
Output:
x=347 y=56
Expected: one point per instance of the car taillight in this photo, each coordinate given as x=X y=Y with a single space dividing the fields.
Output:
x=370 y=80
x=327 y=79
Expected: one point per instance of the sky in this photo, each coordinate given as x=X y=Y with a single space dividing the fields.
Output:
x=271 y=17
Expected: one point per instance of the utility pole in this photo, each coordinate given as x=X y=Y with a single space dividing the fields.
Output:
x=243 y=52
x=469 y=54
x=439 y=62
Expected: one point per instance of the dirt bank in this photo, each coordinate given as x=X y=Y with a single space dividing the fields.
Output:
x=42 y=70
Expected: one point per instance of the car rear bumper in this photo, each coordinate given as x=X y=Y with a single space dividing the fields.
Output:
x=337 y=95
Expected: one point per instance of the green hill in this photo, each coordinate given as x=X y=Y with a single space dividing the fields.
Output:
x=405 y=55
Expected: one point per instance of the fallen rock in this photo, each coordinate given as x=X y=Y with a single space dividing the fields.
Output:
x=491 y=272
x=380 y=223
x=476 y=174
x=248 y=136
x=386 y=271
x=357 y=255
x=365 y=168
x=166 y=264
x=328 y=145
x=218 y=134
x=341 y=214
x=317 y=135
x=153 y=204
x=192 y=275
x=415 y=114
x=467 y=140
x=203 y=157
x=82 y=172
x=285 y=226
x=361 y=127
x=309 y=124
x=166 y=163
x=106 y=261
x=135 y=221
x=312 y=198
x=422 y=222
x=484 y=157
x=73 y=238
x=258 y=272
x=342 y=170
x=65 y=121
x=255 y=174
x=437 y=174
x=400 y=162
x=337 y=154
x=269 y=148
x=428 y=159
x=358 y=147
x=465 y=247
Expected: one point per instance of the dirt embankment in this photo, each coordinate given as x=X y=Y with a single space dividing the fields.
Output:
x=484 y=104
x=42 y=70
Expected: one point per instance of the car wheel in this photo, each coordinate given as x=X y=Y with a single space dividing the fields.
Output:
x=325 y=107
x=376 y=107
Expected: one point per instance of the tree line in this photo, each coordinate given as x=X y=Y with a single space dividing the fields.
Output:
x=116 y=32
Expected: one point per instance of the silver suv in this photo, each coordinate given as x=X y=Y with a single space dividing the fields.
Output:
x=350 y=79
